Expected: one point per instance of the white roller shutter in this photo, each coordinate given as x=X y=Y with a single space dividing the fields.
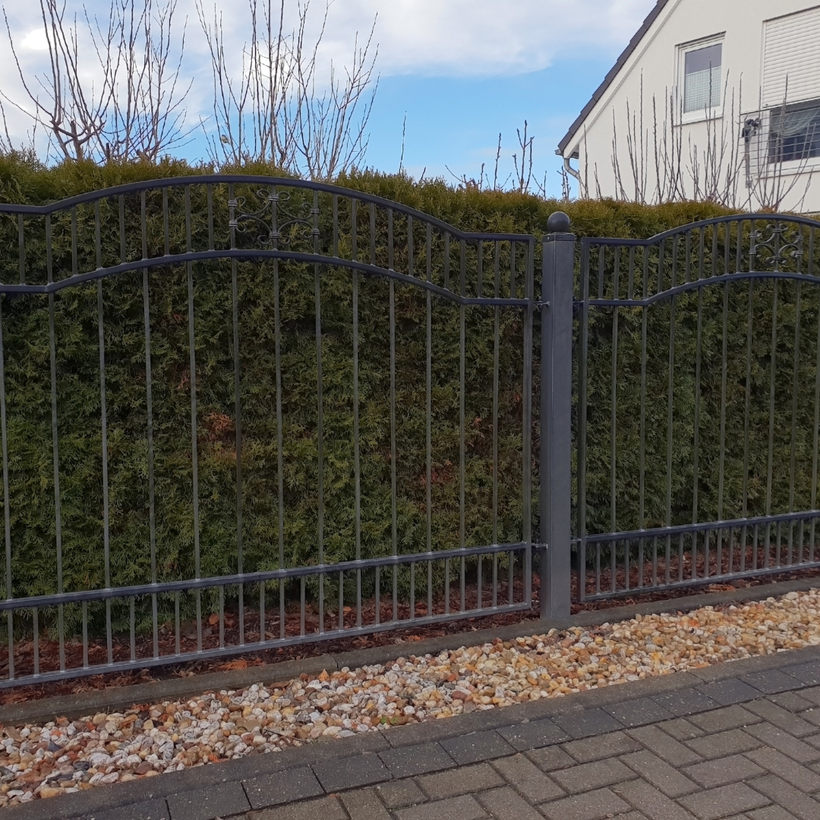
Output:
x=791 y=50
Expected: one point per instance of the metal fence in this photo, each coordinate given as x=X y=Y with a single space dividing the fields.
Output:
x=241 y=412
x=698 y=390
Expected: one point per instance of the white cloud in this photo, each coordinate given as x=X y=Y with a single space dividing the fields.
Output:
x=484 y=37
x=467 y=38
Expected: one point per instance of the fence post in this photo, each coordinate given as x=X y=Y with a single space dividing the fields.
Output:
x=555 y=418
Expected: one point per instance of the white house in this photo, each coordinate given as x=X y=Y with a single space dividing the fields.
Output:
x=712 y=99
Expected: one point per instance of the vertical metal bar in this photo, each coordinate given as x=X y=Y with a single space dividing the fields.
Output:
x=795 y=388
x=149 y=406
x=581 y=468
x=613 y=418
x=240 y=562
x=280 y=439
x=696 y=387
x=21 y=247
x=357 y=474
x=165 y=226
x=394 y=536
x=462 y=376
x=746 y=411
x=642 y=436
x=670 y=408
x=526 y=417
x=429 y=409
x=35 y=625
x=6 y=499
x=58 y=526
x=85 y=637
x=815 y=439
x=209 y=196
x=772 y=387
x=74 y=260
x=556 y=415
x=194 y=447
x=341 y=600
x=724 y=361
x=320 y=422
x=496 y=379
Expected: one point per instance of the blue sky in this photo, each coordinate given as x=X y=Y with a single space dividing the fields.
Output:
x=461 y=71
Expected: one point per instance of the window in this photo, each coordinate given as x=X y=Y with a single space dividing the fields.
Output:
x=701 y=77
x=795 y=132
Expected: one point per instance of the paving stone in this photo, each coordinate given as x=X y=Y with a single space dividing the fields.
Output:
x=782 y=718
x=326 y=808
x=724 y=770
x=351 y=772
x=155 y=809
x=784 y=742
x=664 y=746
x=806 y=673
x=681 y=729
x=363 y=804
x=771 y=681
x=408 y=761
x=533 y=735
x=595 y=748
x=282 y=787
x=588 y=776
x=463 y=780
x=729 y=691
x=588 y=806
x=550 y=758
x=811 y=715
x=477 y=746
x=399 y=793
x=770 y=813
x=777 y=763
x=811 y=693
x=527 y=778
x=730 y=717
x=207 y=803
x=723 y=801
x=793 y=701
x=652 y=803
x=684 y=702
x=781 y=793
x=507 y=804
x=587 y=723
x=638 y=712
x=455 y=808
x=723 y=744
x=658 y=772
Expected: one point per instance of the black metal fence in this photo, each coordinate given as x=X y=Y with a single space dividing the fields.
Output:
x=241 y=412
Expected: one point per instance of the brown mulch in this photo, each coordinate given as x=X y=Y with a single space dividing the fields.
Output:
x=213 y=629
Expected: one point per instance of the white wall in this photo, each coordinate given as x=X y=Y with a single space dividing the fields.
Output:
x=651 y=74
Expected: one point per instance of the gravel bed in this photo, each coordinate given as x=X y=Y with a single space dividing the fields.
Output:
x=38 y=761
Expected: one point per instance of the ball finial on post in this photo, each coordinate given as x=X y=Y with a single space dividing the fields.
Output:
x=558 y=223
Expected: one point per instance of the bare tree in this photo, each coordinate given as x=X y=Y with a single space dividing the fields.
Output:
x=279 y=109
x=134 y=108
x=711 y=170
x=519 y=180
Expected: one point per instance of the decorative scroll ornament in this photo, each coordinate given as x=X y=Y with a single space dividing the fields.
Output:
x=283 y=227
x=779 y=244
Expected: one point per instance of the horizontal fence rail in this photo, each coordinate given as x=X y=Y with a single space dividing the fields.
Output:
x=240 y=413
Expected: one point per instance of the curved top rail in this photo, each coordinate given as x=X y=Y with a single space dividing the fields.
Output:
x=216 y=179
x=704 y=223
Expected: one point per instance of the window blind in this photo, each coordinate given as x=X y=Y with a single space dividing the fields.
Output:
x=791 y=58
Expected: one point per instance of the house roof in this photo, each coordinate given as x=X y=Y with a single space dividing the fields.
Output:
x=611 y=75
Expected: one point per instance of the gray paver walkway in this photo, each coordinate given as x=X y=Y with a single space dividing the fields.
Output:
x=739 y=741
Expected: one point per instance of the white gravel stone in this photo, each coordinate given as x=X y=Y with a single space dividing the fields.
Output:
x=170 y=736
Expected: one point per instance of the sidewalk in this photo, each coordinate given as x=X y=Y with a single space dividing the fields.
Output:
x=737 y=740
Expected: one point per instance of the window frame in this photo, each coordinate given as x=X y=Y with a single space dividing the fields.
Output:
x=707 y=113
